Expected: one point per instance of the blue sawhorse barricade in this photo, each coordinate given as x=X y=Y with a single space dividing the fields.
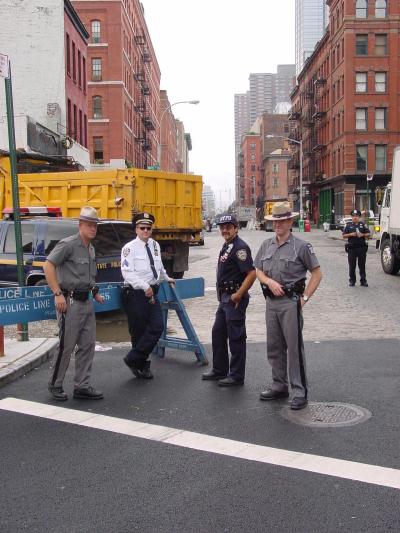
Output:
x=19 y=305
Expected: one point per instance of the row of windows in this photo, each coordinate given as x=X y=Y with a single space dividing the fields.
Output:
x=381 y=44
x=380 y=157
x=76 y=63
x=380 y=82
x=362 y=9
x=76 y=124
x=362 y=119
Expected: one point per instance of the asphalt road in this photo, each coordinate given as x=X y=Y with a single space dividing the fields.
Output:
x=61 y=477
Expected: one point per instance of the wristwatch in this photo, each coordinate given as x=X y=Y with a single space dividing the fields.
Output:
x=58 y=293
x=305 y=297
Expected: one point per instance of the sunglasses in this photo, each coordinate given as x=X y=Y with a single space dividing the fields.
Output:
x=145 y=228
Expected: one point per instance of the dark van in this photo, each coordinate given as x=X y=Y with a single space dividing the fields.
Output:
x=41 y=234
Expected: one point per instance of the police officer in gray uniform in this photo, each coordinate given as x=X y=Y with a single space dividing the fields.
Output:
x=70 y=272
x=282 y=263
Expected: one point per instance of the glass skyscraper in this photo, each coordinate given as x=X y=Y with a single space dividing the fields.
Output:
x=311 y=21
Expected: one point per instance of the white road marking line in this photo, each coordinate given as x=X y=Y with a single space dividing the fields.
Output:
x=365 y=473
x=209 y=289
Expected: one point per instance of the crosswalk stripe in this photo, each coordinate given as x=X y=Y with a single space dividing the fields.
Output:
x=329 y=466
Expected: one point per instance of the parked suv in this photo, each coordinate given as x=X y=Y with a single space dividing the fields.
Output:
x=41 y=234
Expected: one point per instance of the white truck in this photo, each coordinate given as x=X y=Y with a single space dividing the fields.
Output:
x=389 y=221
x=245 y=214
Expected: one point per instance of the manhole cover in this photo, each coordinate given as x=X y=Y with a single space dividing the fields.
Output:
x=327 y=415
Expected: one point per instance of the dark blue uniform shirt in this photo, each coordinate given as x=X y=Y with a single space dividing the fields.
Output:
x=234 y=262
x=351 y=227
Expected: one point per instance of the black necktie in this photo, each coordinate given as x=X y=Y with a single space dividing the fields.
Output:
x=151 y=261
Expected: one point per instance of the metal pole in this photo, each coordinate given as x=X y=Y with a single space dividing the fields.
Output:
x=301 y=180
x=15 y=194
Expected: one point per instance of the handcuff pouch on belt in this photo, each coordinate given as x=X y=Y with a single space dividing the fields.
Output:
x=227 y=287
x=290 y=290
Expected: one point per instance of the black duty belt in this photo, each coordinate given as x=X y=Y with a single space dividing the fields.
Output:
x=80 y=296
x=228 y=287
x=290 y=290
x=127 y=289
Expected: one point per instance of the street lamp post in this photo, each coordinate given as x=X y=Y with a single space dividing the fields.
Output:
x=159 y=148
x=300 y=143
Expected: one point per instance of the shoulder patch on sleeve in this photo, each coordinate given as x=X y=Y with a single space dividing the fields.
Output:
x=126 y=252
x=241 y=254
x=311 y=249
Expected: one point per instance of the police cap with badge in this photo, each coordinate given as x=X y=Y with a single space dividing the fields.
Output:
x=355 y=213
x=228 y=219
x=143 y=218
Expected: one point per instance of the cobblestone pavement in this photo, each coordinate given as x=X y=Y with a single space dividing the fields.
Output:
x=335 y=312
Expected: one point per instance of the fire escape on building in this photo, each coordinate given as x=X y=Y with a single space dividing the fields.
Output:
x=142 y=106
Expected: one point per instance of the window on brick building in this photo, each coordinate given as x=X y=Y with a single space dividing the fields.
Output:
x=79 y=69
x=84 y=74
x=361 y=44
x=85 y=131
x=253 y=168
x=252 y=146
x=380 y=157
x=361 y=82
x=361 y=9
x=380 y=82
x=275 y=168
x=69 y=117
x=275 y=183
x=252 y=157
x=68 y=47
x=73 y=61
x=380 y=118
x=380 y=44
x=380 y=9
x=80 y=128
x=362 y=154
x=362 y=119
x=75 y=132
x=98 y=153
x=96 y=69
x=97 y=106
x=96 y=31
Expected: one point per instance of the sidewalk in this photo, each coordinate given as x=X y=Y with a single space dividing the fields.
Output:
x=22 y=357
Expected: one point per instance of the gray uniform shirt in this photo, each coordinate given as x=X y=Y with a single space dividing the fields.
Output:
x=287 y=263
x=75 y=264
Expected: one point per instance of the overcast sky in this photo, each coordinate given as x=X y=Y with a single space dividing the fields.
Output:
x=206 y=50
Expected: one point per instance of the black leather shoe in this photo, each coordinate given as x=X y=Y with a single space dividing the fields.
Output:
x=88 y=394
x=271 y=394
x=212 y=376
x=364 y=284
x=145 y=373
x=298 y=403
x=135 y=371
x=352 y=283
x=57 y=393
x=229 y=381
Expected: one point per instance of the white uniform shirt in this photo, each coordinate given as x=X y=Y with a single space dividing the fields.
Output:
x=135 y=264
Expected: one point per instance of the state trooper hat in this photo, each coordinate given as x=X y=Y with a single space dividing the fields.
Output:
x=228 y=219
x=355 y=213
x=281 y=211
x=143 y=218
x=89 y=214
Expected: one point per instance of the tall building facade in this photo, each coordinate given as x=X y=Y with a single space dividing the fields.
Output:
x=208 y=202
x=310 y=23
x=345 y=108
x=49 y=83
x=262 y=94
x=242 y=125
x=285 y=80
x=123 y=84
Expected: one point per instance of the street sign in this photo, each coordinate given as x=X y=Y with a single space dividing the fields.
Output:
x=370 y=177
x=4 y=66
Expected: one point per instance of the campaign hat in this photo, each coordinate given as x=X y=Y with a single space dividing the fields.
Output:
x=281 y=211
x=143 y=218
x=89 y=214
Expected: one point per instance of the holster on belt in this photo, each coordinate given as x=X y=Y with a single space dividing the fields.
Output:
x=80 y=296
x=228 y=287
x=289 y=290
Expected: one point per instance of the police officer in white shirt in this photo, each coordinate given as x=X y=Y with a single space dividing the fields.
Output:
x=143 y=271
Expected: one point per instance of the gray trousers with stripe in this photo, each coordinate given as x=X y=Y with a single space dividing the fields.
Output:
x=77 y=328
x=285 y=347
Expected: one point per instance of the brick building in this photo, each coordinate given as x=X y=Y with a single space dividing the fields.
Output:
x=123 y=84
x=345 y=108
x=49 y=83
x=250 y=174
x=276 y=165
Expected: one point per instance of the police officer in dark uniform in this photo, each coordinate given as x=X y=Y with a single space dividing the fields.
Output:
x=143 y=271
x=235 y=276
x=356 y=232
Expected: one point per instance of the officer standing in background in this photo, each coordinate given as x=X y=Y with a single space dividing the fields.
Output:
x=356 y=232
x=142 y=270
x=235 y=276
x=282 y=263
x=70 y=271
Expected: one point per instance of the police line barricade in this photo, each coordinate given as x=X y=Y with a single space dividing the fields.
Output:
x=30 y=304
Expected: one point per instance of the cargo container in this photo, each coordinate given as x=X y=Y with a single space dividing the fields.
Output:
x=174 y=199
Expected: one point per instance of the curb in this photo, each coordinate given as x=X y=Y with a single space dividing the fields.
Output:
x=28 y=362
